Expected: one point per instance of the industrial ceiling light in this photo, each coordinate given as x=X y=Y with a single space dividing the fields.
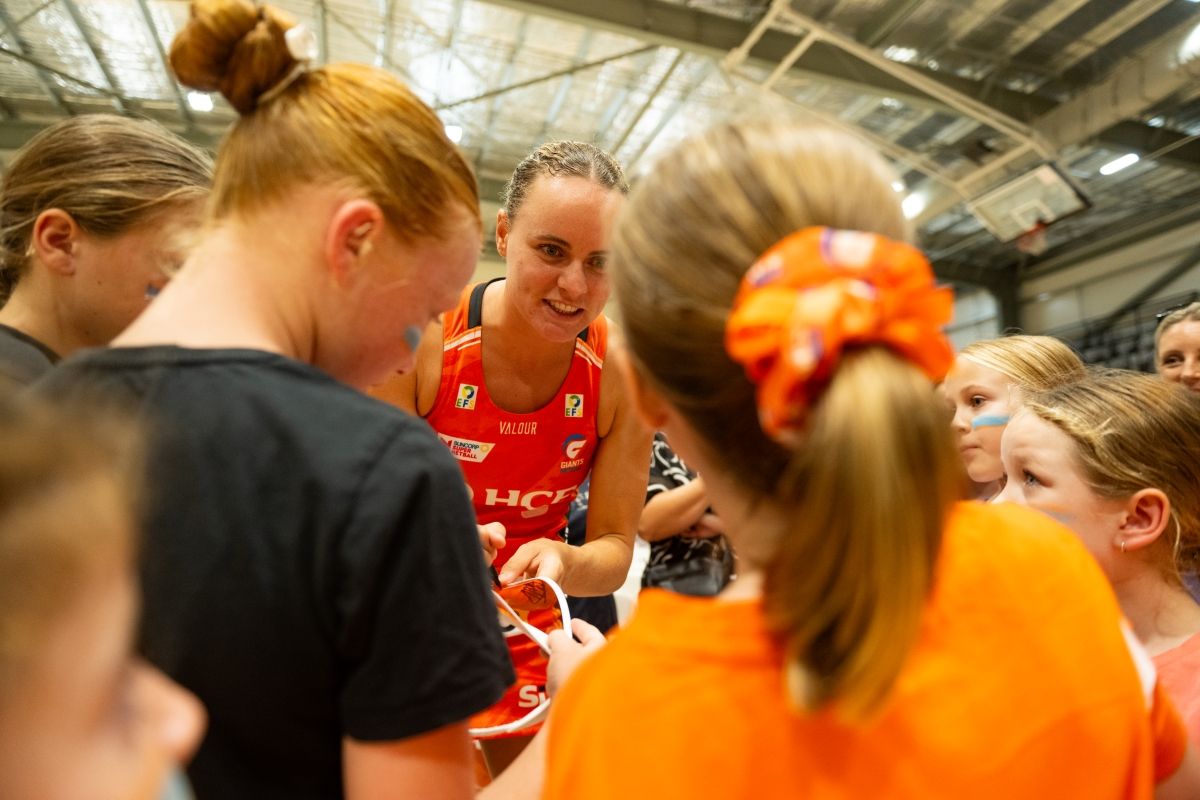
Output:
x=454 y=133
x=200 y=101
x=1118 y=164
x=912 y=205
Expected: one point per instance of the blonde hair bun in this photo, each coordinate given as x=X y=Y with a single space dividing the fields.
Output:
x=235 y=48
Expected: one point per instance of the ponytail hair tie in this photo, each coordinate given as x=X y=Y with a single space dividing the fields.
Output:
x=817 y=292
x=303 y=48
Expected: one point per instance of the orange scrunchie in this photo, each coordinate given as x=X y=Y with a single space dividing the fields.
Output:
x=818 y=291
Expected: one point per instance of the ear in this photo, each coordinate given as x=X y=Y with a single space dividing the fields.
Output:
x=502 y=233
x=353 y=229
x=648 y=403
x=1146 y=515
x=55 y=238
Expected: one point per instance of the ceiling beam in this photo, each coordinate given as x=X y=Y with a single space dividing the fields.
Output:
x=21 y=48
x=185 y=112
x=675 y=25
x=885 y=23
x=93 y=48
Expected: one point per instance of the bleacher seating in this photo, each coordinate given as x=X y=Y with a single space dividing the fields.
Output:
x=1129 y=342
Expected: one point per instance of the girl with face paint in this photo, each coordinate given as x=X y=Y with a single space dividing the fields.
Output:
x=1116 y=458
x=984 y=389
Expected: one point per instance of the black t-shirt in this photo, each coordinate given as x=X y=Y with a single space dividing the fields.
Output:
x=311 y=567
x=23 y=359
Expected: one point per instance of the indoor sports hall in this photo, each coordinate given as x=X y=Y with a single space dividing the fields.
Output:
x=599 y=399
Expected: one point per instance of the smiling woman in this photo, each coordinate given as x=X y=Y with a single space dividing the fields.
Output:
x=1177 y=346
x=520 y=382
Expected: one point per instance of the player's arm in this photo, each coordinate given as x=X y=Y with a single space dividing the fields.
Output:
x=435 y=764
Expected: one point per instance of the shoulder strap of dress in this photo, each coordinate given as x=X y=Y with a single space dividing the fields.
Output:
x=475 y=309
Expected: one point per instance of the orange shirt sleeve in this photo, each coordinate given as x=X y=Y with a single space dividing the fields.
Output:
x=1170 y=737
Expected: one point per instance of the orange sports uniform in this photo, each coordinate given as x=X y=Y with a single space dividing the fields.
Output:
x=1179 y=672
x=522 y=470
x=1021 y=684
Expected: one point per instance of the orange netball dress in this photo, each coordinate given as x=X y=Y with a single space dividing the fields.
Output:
x=522 y=470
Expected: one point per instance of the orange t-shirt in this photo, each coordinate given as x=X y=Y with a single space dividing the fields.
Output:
x=1021 y=684
x=1179 y=672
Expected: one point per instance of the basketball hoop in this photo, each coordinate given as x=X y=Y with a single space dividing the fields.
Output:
x=1033 y=241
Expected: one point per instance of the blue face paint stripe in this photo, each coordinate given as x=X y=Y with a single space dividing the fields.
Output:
x=1058 y=516
x=986 y=421
x=412 y=337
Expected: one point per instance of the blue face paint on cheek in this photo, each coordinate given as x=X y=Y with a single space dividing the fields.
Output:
x=412 y=337
x=989 y=421
x=1057 y=514
x=177 y=787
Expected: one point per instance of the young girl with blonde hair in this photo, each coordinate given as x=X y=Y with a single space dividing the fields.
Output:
x=1116 y=458
x=984 y=388
x=883 y=639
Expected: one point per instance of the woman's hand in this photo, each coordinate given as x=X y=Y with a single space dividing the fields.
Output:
x=541 y=558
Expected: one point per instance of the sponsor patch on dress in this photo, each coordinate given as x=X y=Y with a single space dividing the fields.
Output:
x=467 y=449
x=574 y=405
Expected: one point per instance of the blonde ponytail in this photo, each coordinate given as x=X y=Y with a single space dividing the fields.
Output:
x=870 y=486
x=867 y=486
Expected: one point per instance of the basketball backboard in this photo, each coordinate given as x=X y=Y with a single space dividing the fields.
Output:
x=1042 y=195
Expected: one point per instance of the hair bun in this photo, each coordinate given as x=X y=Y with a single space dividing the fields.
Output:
x=235 y=48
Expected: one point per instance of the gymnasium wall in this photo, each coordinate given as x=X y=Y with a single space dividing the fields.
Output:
x=1083 y=291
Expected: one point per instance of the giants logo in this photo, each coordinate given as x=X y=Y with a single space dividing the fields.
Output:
x=466 y=396
x=534 y=504
x=571 y=448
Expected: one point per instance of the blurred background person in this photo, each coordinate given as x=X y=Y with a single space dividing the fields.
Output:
x=96 y=213
x=80 y=717
x=1177 y=347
